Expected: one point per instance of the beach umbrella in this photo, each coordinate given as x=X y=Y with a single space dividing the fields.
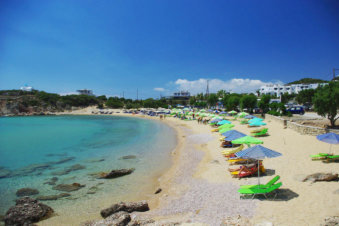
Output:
x=255 y=120
x=228 y=133
x=202 y=110
x=226 y=126
x=242 y=114
x=249 y=117
x=235 y=135
x=232 y=112
x=257 y=123
x=330 y=138
x=257 y=152
x=247 y=140
x=222 y=113
x=223 y=130
x=223 y=122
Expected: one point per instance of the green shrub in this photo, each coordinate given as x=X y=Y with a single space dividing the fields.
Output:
x=272 y=112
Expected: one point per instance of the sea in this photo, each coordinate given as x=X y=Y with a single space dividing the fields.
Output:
x=41 y=152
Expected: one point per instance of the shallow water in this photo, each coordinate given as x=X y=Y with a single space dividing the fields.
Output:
x=35 y=149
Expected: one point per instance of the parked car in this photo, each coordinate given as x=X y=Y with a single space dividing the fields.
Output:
x=296 y=110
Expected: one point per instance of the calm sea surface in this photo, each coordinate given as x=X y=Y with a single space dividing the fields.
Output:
x=71 y=148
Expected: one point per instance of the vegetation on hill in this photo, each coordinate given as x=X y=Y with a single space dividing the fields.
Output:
x=307 y=81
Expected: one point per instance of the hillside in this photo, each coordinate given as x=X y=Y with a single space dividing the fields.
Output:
x=307 y=81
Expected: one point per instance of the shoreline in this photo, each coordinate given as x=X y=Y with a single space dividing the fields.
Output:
x=197 y=188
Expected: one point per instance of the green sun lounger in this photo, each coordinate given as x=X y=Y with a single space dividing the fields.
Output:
x=259 y=191
x=261 y=133
x=270 y=183
x=331 y=158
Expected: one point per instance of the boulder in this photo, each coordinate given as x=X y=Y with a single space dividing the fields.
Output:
x=52 y=197
x=52 y=181
x=321 y=177
x=27 y=211
x=129 y=207
x=68 y=187
x=142 y=222
x=116 y=173
x=26 y=192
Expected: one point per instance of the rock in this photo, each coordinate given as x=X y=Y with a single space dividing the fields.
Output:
x=52 y=197
x=331 y=221
x=116 y=173
x=128 y=157
x=69 y=169
x=68 y=187
x=118 y=219
x=158 y=191
x=26 y=192
x=27 y=211
x=96 y=160
x=321 y=177
x=4 y=173
x=141 y=222
x=125 y=206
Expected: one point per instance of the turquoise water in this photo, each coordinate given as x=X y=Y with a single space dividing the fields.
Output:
x=35 y=149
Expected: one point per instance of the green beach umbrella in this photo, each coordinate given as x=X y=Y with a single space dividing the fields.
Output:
x=247 y=140
x=242 y=114
x=226 y=126
x=223 y=130
x=202 y=110
x=232 y=112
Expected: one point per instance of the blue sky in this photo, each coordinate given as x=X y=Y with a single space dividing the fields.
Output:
x=161 y=46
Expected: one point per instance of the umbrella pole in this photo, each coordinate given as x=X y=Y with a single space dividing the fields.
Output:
x=259 y=173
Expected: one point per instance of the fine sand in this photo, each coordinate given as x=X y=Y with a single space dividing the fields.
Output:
x=198 y=188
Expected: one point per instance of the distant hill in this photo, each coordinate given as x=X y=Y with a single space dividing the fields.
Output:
x=307 y=81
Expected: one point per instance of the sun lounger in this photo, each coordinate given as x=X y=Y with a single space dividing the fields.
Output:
x=331 y=158
x=246 y=172
x=261 y=133
x=215 y=130
x=260 y=191
x=268 y=184
x=258 y=130
x=226 y=152
x=320 y=156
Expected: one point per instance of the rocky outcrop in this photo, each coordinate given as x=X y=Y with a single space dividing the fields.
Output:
x=52 y=197
x=116 y=173
x=68 y=187
x=27 y=211
x=26 y=192
x=321 y=177
x=129 y=207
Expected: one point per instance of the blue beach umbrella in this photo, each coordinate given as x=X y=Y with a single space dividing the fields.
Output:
x=330 y=138
x=235 y=135
x=249 y=117
x=228 y=133
x=223 y=122
x=257 y=152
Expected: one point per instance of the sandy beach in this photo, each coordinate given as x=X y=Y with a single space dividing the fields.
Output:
x=198 y=189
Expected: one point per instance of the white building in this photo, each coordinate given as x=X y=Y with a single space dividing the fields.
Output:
x=26 y=88
x=278 y=90
x=181 y=95
x=85 y=92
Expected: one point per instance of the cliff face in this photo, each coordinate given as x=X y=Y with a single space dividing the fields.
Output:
x=25 y=106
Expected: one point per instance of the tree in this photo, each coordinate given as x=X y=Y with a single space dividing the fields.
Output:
x=102 y=98
x=212 y=99
x=232 y=102
x=193 y=100
x=221 y=93
x=285 y=97
x=305 y=96
x=326 y=101
x=248 y=101
x=114 y=102
x=264 y=103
